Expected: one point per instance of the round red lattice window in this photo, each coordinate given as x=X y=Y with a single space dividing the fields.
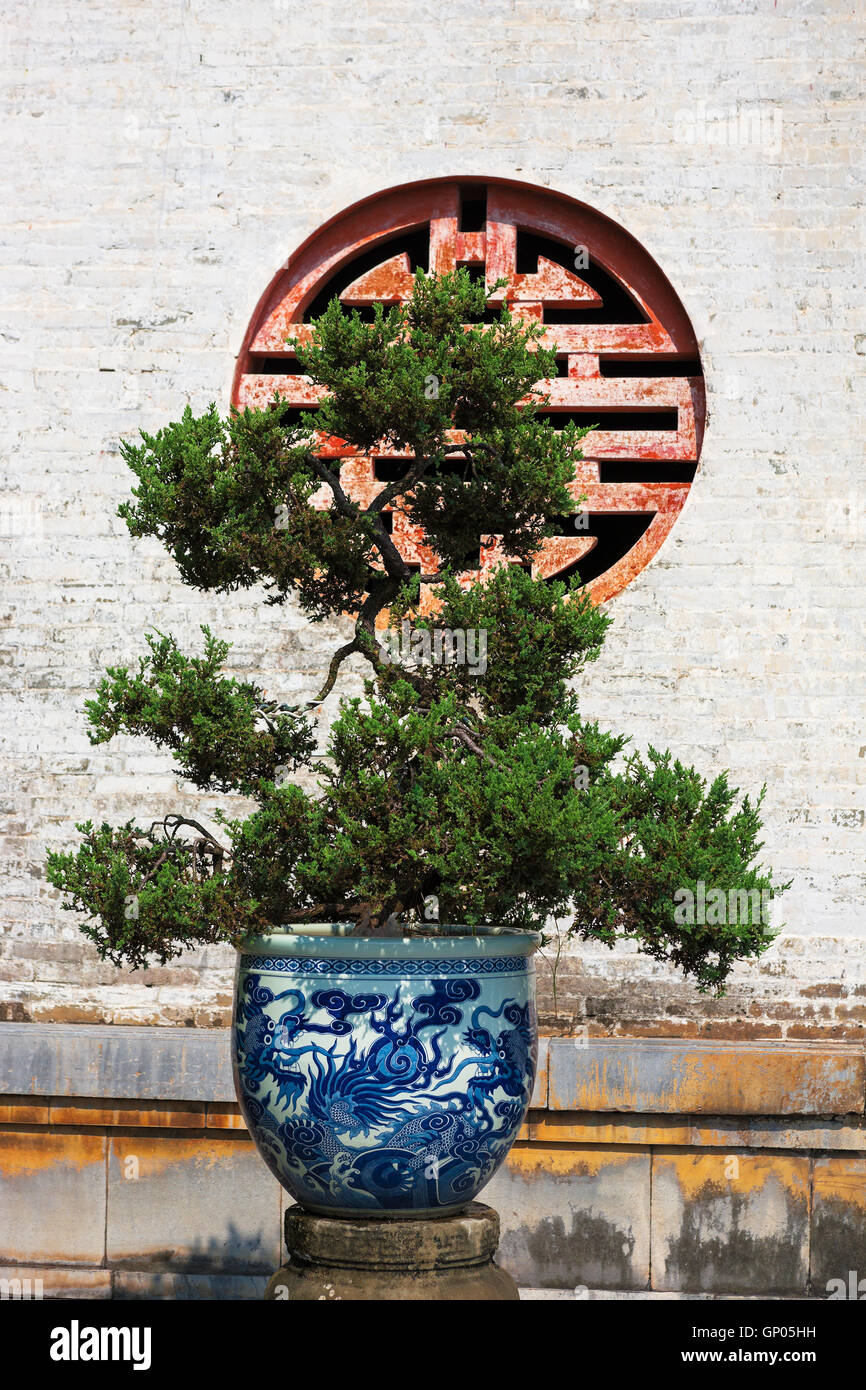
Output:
x=627 y=356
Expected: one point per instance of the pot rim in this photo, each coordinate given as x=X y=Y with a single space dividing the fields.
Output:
x=329 y=940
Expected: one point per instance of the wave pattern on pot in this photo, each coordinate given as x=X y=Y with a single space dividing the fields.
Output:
x=400 y=1099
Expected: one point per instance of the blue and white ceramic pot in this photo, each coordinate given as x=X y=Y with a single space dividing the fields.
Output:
x=385 y=1077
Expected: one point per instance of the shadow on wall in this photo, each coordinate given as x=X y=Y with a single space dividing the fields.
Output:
x=199 y=1272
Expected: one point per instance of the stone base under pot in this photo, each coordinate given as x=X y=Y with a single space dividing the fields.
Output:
x=333 y=1259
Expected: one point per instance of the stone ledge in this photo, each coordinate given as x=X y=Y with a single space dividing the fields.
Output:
x=725 y=1132
x=653 y=1077
x=672 y=1076
x=128 y=1285
x=582 y=1294
x=132 y=1063
x=604 y=1129
x=33 y=1283
x=123 y=1063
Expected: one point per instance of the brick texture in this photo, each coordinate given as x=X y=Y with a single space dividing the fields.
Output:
x=161 y=163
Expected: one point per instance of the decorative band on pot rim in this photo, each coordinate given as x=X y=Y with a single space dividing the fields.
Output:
x=385 y=1076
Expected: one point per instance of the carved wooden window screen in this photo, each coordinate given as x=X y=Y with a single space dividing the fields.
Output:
x=627 y=356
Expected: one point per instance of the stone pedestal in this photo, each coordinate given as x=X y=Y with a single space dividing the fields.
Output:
x=451 y=1257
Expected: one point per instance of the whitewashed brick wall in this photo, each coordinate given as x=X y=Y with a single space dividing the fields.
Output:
x=162 y=159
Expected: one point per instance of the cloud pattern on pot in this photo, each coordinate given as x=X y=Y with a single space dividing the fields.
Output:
x=388 y=1100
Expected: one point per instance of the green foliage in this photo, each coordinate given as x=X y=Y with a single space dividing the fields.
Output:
x=429 y=803
x=140 y=899
x=451 y=793
x=671 y=833
x=229 y=499
x=210 y=722
x=416 y=373
x=539 y=636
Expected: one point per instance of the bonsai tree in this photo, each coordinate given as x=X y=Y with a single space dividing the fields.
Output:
x=456 y=791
